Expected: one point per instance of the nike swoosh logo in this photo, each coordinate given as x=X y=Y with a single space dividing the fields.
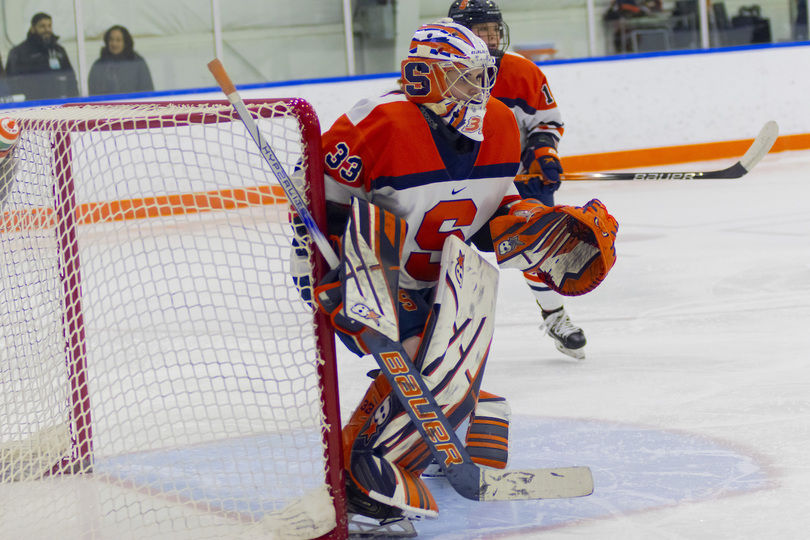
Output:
x=457 y=191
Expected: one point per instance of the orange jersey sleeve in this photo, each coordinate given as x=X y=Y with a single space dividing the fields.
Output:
x=523 y=87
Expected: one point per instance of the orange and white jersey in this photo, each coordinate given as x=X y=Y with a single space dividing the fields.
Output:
x=523 y=87
x=384 y=151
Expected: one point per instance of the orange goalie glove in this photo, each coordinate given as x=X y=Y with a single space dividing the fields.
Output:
x=570 y=248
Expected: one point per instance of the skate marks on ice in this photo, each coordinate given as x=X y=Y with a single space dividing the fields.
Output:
x=635 y=469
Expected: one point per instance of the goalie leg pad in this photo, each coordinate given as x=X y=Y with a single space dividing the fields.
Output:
x=452 y=357
x=456 y=343
x=378 y=424
x=488 y=432
x=570 y=248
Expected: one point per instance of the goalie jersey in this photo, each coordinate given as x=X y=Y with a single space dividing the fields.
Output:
x=401 y=157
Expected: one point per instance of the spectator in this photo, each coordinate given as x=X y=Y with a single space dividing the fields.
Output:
x=39 y=67
x=119 y=69
x=800 y=31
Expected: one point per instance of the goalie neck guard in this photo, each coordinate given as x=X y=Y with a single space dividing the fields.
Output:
x=450 y=71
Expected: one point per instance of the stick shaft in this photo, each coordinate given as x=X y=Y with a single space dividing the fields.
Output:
x=762 y=145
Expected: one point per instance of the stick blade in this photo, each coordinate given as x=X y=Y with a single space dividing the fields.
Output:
x=558 y=483
x=761 y=145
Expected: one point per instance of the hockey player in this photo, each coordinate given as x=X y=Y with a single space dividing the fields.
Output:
x=442 y=156
x=523 y=87
x=9 y=135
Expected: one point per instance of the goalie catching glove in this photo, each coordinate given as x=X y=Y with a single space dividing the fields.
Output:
x=570 y=248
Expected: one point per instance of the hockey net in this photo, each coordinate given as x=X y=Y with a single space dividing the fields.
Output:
x=161 y=376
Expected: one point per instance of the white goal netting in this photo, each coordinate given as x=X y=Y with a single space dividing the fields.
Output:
x=161 y=376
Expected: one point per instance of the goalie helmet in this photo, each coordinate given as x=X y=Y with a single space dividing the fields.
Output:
x=449 y=70
x=470 y=13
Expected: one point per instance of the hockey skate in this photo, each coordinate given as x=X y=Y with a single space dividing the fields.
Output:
x=369 y=518
x=361 y=526
x=568 y=339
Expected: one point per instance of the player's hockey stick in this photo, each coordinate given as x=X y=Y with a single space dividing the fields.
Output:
x=465 y=476
x=229 y=89
x=758 y=149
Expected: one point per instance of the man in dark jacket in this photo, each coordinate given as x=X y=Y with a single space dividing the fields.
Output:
x=39 y=67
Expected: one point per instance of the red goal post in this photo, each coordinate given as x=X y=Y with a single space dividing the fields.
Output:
x=157 y=360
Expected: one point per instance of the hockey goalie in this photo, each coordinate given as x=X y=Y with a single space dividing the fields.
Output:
x=413 y=177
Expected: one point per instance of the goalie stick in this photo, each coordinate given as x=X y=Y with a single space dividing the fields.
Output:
x=467 y=478
x=758 y=149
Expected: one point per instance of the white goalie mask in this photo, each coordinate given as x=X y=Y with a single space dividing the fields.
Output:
x=449 y=70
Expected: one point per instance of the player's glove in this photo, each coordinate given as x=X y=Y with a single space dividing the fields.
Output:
x=570 y=248
x=544 y=164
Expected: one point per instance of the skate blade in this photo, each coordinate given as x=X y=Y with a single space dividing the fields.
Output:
x=369 y=528
x=577 y=354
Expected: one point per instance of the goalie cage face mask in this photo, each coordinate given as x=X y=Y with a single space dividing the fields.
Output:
x=449 y=70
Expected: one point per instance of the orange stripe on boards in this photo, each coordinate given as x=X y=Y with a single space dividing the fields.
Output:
x=27 y=220
x=164 y=205
x=670 y=155
x=186 y=203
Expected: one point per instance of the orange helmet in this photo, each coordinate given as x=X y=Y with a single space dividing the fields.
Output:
x=447 y=61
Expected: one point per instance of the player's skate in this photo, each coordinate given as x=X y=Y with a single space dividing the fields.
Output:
x=361 y=526
x=568 y=339
x=377 y=487
x=369 y=518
